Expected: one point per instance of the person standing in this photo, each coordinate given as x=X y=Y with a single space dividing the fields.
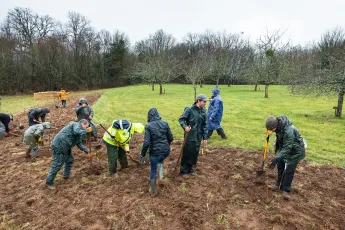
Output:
x=35 y=114
x=291 y=150
x=63 y=97
x=194 y=123
x=215 y=114
x=62 y=145
x=84 y=111
x=157 y=139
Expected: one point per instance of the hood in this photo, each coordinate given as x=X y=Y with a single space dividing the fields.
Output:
x=82 y=100
x=45 y=110
x=46 y=125
x=153 y=115
x=283 y=122
x=122 y=124
x=215 y=92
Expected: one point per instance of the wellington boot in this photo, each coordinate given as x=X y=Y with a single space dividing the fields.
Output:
x=27 y=154
x=153 y=187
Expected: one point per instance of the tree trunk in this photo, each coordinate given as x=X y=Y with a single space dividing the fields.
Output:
x=217 y=83
x=229 y=82
x=256 y=87
x=340 y=102
x=201 y=85
x=266 y=91
x=153 y=86
x=195 y=86
x=160 y=88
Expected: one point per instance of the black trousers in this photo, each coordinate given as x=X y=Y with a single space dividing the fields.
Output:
x=189 y=156
x=285 y=179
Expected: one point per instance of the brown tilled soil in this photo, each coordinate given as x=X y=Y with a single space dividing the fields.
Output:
x=224 y=195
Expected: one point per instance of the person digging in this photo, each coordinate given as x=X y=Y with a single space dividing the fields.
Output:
x=35 y=114
x=62 y=145
x=291 y=150
x=33 y=136
x=116 y=139
x=5 y=120
x=158 y=138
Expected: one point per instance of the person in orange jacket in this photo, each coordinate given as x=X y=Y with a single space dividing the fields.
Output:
x=63 y=97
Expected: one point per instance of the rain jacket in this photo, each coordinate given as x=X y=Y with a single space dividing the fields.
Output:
x=83 y=112
x=36 y=113
x=122 y=131
x=70 y=136
x=5 y=119
x=63 y=95
x=289 y=144
x=215 y=110
x=196 y=118
x=158 y=135
x=34 y=132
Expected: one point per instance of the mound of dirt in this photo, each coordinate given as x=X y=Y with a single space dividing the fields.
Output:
x=225 y=194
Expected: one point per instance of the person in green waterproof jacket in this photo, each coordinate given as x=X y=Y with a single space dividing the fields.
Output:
x=194 y=122
x=62 y=144
x=290 y=148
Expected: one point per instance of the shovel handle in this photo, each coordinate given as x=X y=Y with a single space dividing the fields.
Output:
x=179 y=157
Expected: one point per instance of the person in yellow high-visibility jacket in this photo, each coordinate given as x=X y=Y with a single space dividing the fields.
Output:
x=117 y=142
x=63 y=97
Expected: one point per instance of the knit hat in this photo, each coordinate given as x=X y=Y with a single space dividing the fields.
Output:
x=271 y=122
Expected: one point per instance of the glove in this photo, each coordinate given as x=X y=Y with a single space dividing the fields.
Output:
x=89 y=129
x=89 y=155
x=273 y=163
x=40 y=139
x=142 y=160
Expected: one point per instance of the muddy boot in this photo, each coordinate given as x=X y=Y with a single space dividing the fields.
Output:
x=160 y=167
x=153 y=188
x=275 y=188
x=286 y=195
x=194 y=172
x=27 y=154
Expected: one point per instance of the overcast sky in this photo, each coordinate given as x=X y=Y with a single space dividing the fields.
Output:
x=304 y=20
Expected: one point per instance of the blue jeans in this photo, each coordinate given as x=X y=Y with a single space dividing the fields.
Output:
x=154 y=160
x=59 y=159
x=63 y=102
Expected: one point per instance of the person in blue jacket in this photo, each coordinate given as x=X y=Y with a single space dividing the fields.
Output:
x=215 y=114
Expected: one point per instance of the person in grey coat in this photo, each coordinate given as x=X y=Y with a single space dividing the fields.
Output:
x=62 y=145
x=34 y=136
x=84 y=111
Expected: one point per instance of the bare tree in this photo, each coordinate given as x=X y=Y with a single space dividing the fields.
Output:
x=268 y=62
x=156 y=62
x=325 y=70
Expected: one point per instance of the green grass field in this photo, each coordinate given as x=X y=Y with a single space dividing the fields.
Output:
x=245 y=112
